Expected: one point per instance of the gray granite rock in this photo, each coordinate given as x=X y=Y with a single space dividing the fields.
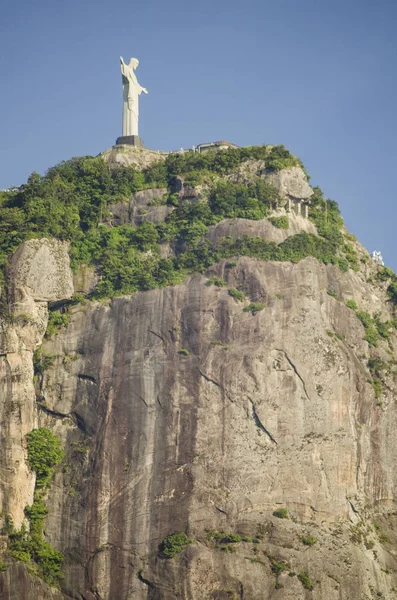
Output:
x=290 y=183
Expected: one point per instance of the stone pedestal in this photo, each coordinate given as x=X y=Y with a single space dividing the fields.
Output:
x=130 y=140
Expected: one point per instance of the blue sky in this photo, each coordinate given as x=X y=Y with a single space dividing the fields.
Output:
x=316 y=76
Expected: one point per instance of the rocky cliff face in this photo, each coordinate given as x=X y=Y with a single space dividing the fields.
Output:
x=39 y=272
x=180 y=411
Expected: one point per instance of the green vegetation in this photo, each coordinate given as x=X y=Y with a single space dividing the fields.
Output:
x=66 y=203
x=362 y=533
x=238 y=295
x=183 y=352
x=231 y=264
x=371 y=333
x=350 y=237
x=281 y=513
x=376 y=366
x=278 y=566
x=56 y=320
x=254 y=307
x=220 y=343
x=331 y=293
x=42 y=361
x=375 y=329
x=3 y=567
x=173 y=544
x=351 y=257
x=308 y=540
x=222 y=537
x=226 y=541
x=351 y=304
x=71 y=202
x=234 y=200
x=386 y=274
x=44 y=453
x=216 y=281
x=195 y=167
x=280 y=222
x=325 y=215
x=305 y=581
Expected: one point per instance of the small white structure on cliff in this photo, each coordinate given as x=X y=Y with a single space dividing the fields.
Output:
x=378 y=258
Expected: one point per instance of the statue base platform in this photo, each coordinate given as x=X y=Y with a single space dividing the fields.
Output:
x=130 y=140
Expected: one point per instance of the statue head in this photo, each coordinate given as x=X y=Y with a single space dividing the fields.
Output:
x=134 y=63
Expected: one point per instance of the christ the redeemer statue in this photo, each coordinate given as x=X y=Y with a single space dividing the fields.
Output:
x=131 y=92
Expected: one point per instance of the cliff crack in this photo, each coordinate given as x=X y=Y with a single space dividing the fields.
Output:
x=221 y=510
x=87 y=378
x=259 y=423
x=219 y=385
x=157 y=335
x=145 y=581
x=354 y=509
x=74 y=417
x=295 y=371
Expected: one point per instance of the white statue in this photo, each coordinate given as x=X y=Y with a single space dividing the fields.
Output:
x=131 y=92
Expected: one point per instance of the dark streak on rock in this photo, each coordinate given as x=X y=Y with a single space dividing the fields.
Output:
x=145 y=581
x=295 y=371
x=221 y=510
x=241 y=591
x=73 y=416
x=86 y=378
x=157 y=335
x=353 y=507
x=259 y=423
x=220 y=386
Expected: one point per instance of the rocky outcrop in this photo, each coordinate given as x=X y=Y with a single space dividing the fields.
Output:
x=247 y=172
x=290 y=183
x=236 y=228
x=131 y=156
x=39 y=272
x=85 y=279
x=40 y=269
x=146 y=205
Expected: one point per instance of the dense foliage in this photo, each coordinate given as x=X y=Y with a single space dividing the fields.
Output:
x=195 y=167
x=44 y=453
x=280 y=222
x=386 y=274
x=173 y=544
x=71 y=202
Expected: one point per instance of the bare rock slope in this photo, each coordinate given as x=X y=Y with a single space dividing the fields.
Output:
x=195 y=415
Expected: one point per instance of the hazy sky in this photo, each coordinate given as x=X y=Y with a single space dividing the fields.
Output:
x=314 y=75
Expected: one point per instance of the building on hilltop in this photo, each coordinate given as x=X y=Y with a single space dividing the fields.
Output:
x=221 y=145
